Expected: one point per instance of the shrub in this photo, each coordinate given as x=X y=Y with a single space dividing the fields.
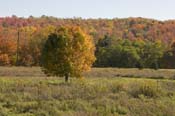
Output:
x=146 y=89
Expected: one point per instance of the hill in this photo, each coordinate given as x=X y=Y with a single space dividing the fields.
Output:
x=34 y=31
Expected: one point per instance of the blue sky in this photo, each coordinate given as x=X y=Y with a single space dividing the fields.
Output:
x=157 y=9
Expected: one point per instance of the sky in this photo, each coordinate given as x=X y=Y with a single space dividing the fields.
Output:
x=155 y=9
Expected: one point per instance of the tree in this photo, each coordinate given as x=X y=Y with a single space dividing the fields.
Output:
x=152 y=54
x=169 y=56
x=116 y=53
x=67 y=52
x=37 y=41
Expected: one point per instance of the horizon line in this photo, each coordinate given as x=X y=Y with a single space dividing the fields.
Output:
x=86 y=18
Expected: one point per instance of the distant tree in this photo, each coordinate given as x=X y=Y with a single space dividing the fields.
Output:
x=113 y=52
x=37 y=41
x=105 y=49
x=129 y=55
x=152 y=53
x=169 y=56
x=4 y=60
x=68 y=52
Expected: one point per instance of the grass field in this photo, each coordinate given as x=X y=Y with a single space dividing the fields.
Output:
x=105 y=92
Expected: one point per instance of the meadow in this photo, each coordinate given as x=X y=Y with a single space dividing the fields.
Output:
x=103 y=92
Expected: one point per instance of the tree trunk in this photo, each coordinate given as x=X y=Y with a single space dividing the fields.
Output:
x=66 y=77
x=156 y=65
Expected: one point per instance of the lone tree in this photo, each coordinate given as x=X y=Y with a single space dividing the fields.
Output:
x=67 y=53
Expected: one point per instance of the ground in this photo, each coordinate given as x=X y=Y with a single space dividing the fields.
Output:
x=103 y=92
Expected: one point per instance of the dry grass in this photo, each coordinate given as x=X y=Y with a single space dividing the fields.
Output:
x=95 y=72
x=21 y=72
x=133 y=72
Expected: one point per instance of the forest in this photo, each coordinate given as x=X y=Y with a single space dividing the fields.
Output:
x=123 y=43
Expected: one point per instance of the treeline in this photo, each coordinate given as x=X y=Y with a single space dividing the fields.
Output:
x=131 y=42
x=125 y=53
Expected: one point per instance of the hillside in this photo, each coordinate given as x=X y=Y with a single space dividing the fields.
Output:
x=34 y=31
x=129 y=28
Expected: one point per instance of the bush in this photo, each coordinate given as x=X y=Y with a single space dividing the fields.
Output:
x=146 y=89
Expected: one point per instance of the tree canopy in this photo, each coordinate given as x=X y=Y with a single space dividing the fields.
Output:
x=67 y=52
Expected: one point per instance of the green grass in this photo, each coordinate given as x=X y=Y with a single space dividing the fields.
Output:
x=33 y=94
